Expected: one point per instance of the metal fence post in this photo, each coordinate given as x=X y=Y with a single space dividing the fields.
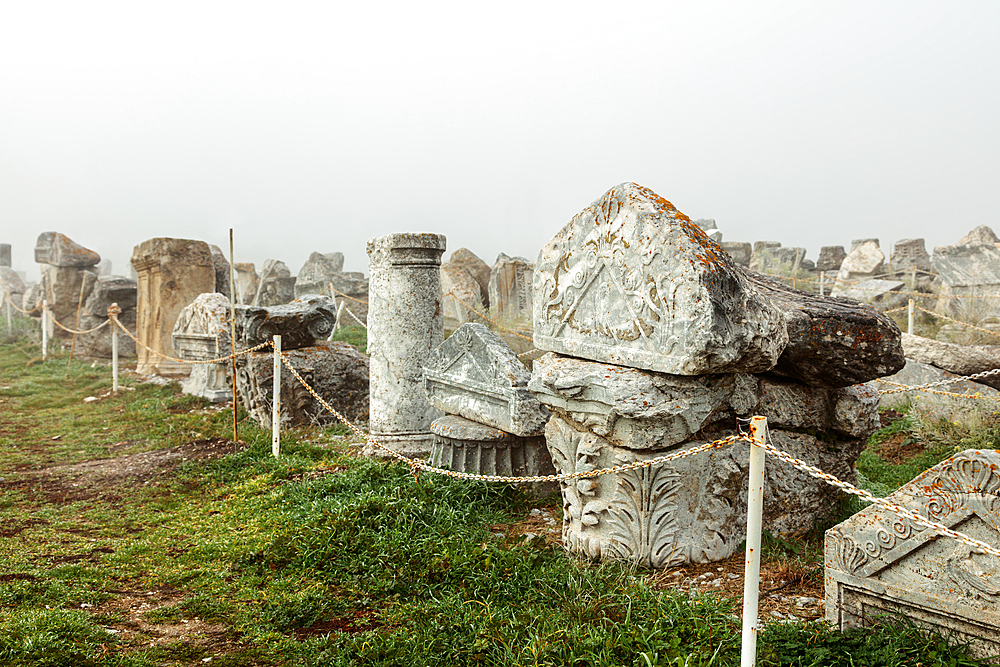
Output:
x=45 y=329
x=751 y=573
x=114 y=355
x=276 y=403
x=909 y=319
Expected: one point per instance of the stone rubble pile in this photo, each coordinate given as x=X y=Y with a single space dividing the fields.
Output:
x=659 y=342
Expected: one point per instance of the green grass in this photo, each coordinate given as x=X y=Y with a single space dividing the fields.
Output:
x=386 y=569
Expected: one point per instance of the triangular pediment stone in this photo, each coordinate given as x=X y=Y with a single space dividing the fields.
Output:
x=475 y=374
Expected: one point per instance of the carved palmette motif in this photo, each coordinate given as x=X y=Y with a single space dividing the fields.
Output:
x=571 y=452
x=643 y=517
x=851 y=555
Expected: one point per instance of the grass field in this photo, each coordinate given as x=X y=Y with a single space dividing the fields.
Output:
x=134 y=531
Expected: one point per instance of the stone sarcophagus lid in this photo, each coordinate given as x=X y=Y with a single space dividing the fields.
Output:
x=633 y=281
x=879 y=563
x=476 y=375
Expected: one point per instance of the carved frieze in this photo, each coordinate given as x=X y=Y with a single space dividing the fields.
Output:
x=475 y=374
x=880 y=562
x=632 y=281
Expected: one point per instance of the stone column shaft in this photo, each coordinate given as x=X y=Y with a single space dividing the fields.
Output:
x=405 y=324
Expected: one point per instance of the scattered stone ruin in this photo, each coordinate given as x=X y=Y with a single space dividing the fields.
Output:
x=658 y=342
x=881 y=564
x=335 y=370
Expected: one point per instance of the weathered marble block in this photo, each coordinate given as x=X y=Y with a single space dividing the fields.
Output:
x=510 y=292
x=832 y=342
x=171 y=274
x=336 y=370
x=468 y=446
x=316 y=274
x=57 y=249
x=276 y=285
x=475 y=374
x=196 y=337
x=632 y=281
x=300 y=323
x=878 y=563
x=694 y=509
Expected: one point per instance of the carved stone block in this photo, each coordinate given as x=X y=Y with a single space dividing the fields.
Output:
x=510 y=292
x=475 y=374
x=300 y=323
x=692 y=510
x=171 y=274
x=468 y=446
x=276 y=285
x=632 y=281
x=337 y=371
x=57 y=249
x=881 y=564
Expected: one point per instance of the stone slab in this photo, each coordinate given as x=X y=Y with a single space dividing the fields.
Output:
x=831 y=341
x=276 y=285
x=872 y=290
x=957 y=359
x=969 y=266
x=475 y=374
x=878 y=563
x=632 y=281
x=476 y=267
x=510 y=293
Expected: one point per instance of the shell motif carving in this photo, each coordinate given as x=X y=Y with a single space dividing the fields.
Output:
x=851 y=556
x=971 y=475
x=643 y=521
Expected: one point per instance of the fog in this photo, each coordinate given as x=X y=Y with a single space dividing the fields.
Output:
x=316 y=126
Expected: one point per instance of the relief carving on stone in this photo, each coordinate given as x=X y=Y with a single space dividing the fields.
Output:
x=644 y=522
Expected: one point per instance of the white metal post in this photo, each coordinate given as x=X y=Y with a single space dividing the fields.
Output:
x=755 y=510
x=114 y=356
x=822 y=279
x=340 y=314
x=45 y=329
x=909 y=319
x=276 y=403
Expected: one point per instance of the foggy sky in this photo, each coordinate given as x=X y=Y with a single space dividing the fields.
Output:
x=316 y=126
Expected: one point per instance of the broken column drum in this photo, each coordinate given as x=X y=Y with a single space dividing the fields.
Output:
x=405 y=324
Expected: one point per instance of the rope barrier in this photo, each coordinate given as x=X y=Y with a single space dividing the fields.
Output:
x=73 y=331
x=939 y=383
x=420 y=465
x=768 y=445
x=487 y=318
x=904 y=388
x=813 y=471
x=114 y=317
x=952 y=319
x=11 y=302
x=346 y=296
x=349 y=312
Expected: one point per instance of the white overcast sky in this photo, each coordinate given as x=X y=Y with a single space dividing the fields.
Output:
x=316 y=126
